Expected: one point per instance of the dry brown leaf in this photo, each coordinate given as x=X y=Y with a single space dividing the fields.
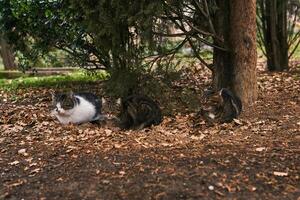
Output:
x=280 y=173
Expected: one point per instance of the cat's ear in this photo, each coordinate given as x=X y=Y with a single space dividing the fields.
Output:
x=71 y=94
x=119 y=101
x=103 y=100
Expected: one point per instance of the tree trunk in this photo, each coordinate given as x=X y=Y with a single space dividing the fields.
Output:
x=7 y=55
x=244 y=50
x=236 y=68
x=275 y=33
x=222 y=72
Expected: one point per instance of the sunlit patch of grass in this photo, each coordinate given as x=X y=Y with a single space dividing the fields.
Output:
x=296 y=55
x=52 y=81
x=1 y=64
x=5 y=74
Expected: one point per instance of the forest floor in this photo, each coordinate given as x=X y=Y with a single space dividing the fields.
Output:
x=255 y=157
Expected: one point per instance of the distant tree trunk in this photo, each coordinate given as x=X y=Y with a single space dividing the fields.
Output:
x=7 y=55
x=235 y=23
x=274 y=19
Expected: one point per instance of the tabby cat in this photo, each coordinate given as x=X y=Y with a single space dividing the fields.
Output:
x=138 y=112
x=229 y=107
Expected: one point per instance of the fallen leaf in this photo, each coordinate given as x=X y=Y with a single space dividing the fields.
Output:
x=19 y=182
x=117 y=146
x=260 y=149
x=238 y=121
x=108 y=132
x=211 y=187
x=23 y=152
x=14 y=163
x=193 y=137
x=280 y=173
x=122 y=172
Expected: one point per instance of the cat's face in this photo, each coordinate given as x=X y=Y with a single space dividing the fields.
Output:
x=63 y=103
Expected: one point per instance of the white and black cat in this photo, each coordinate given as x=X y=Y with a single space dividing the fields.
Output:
x=138 y=112
x=76 y=108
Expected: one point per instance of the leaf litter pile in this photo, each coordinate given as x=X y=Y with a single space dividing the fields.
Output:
x=256 y=156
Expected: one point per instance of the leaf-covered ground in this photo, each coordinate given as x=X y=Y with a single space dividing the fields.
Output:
x=255 y=157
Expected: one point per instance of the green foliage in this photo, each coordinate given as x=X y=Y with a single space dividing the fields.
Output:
x=122 y=30
x=118 y=36
x=122 y=82
x=117 y=27
x=39 y=27
x=100 y=34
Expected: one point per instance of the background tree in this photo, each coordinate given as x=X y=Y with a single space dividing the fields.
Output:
x=127 y=37
x=229 y=27
x=7 y=55
x=102 y=34
x=6 y=51
x=122 y=33
x=235 y=67
x=278 y=34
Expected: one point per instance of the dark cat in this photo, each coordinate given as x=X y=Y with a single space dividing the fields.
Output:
x=229 y=107
x=76 y=108
x=138 y=112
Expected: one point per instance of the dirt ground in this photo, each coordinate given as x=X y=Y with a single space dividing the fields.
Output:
x=255 y=157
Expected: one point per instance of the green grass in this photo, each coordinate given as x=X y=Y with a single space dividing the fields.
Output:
x=1 y=64
x=51 y=81
x=296 y=55
x=11 y=74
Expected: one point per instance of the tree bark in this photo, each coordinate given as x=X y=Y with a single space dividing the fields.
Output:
x=236 y=68
x=7 y=55
x=222 y=71
x=244 y=50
